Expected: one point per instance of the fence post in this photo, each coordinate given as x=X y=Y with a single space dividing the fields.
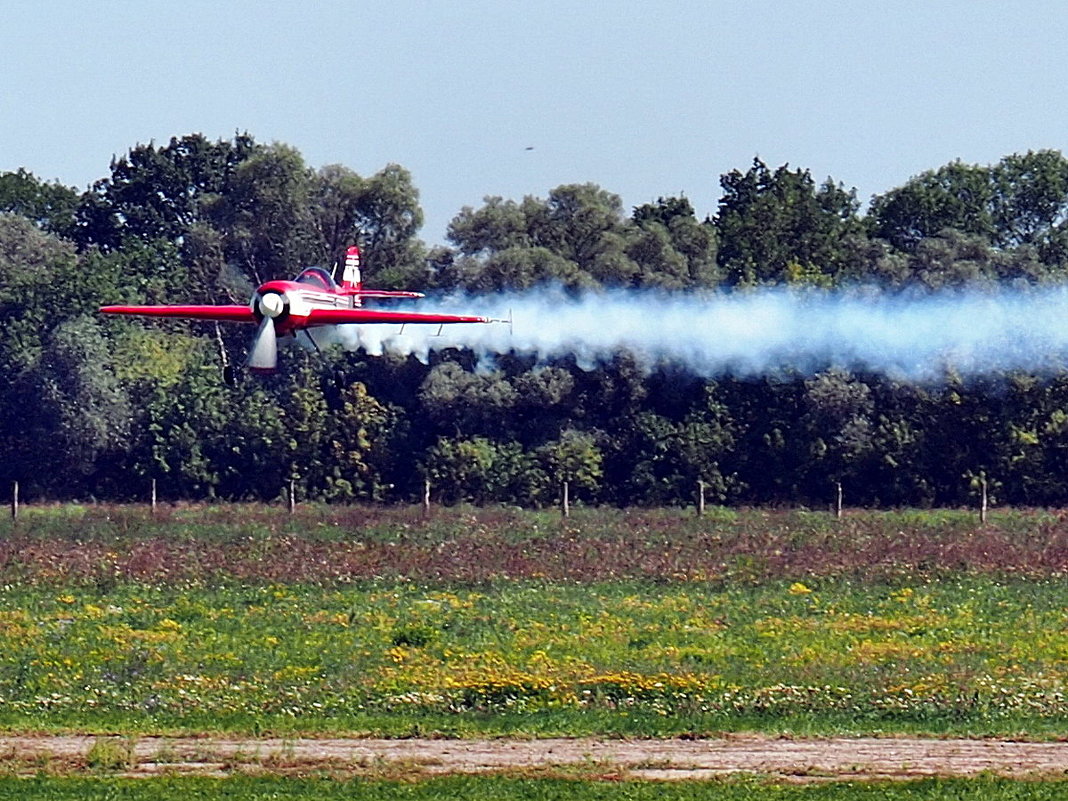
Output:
x=153 y=497
x=565 y=506
x=700 y=497
x=292 y=496
x=983 y=499
x=838 y=500
x=14 y=501
x=426 y=498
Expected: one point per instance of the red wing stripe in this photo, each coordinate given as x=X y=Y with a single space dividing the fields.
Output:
x=234 y=314
x=341 y=316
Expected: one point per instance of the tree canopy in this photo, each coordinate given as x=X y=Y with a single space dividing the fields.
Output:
x=96 y=407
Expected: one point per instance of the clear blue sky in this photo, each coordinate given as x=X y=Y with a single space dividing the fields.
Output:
x=644 y=98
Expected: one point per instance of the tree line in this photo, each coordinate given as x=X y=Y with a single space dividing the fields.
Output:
x=95 y=407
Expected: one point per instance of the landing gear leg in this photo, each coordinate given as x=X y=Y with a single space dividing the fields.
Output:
x=311 y=339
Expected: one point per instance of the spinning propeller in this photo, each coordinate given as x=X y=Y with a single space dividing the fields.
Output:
x=263 y=352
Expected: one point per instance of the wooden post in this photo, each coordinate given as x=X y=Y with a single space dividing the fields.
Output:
x=838 y=500
x=983 y=499
x=426 y=498
x=153 y=497
x=700 y=497
x=565 y=506
x=14 y=501
x=292 y=496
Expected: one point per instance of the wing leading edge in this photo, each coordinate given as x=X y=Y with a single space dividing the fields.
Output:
x=315 y=317
x=232 y=314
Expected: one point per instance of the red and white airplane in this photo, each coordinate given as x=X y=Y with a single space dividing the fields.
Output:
x=311 y=300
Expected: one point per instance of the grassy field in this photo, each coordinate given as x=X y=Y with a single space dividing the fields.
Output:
x=246 y=619
x=348 y=620
x=500 y=787
x=975 y=654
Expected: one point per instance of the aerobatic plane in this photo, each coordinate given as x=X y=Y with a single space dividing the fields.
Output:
x=311 y=300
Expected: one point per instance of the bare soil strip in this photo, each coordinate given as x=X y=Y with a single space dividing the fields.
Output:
x=796 y=760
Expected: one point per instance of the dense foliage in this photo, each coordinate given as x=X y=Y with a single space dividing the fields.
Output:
x=98 y=407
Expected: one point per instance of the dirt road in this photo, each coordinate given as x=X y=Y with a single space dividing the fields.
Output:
x=798 y=760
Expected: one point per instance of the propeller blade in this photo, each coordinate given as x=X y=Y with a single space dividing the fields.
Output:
x=263 y=354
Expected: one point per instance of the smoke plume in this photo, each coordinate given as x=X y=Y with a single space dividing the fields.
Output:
x=758 y=332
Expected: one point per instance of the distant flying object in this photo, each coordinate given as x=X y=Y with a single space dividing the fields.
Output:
x=311 y=300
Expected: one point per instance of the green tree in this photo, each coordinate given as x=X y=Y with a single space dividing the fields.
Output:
x=82 y=414
x=838 y=419
x=574 y=220
x=614 y=391
x=659 y=263
x=576 y=237
x=497 y=226
x=657 y=460
x=775 y=227
x=520 y=477
x=184 y=429
x=43 y=284
x=574 y=457
x=361 y=433
x=525 y=268
x=672 y=249
x=159 y=192
x=544 y=403
x=32 y=263
x=336 y=196
x=465 y=403
x=1022 y=201
x=957 y=196
x=250 y=443
x=461 y=469
x=1030 y=197
x=303 y=408
x=48 y=205
x=389 y=219
x=951 y=259
x=769 y=451
x=265 y=215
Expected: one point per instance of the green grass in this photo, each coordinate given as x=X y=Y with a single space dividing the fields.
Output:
x=355 y=620
x=502 y=621
x=972 y=655
x=496 y=787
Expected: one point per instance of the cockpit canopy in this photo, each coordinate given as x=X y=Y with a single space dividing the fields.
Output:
x=318 y=278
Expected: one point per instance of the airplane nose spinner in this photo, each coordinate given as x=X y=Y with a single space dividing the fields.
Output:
x=271 y=304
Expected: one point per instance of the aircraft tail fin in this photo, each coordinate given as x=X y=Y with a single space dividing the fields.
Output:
x=350 y=278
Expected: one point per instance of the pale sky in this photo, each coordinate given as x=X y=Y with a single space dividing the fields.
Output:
x=646 y=99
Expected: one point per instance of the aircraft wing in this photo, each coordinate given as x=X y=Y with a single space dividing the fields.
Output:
x=340 y=316
x=233 y=314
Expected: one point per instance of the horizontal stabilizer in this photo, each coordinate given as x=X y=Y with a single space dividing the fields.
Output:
x=382 y=293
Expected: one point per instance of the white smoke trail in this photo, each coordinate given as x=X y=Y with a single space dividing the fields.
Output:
x=756 y=332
